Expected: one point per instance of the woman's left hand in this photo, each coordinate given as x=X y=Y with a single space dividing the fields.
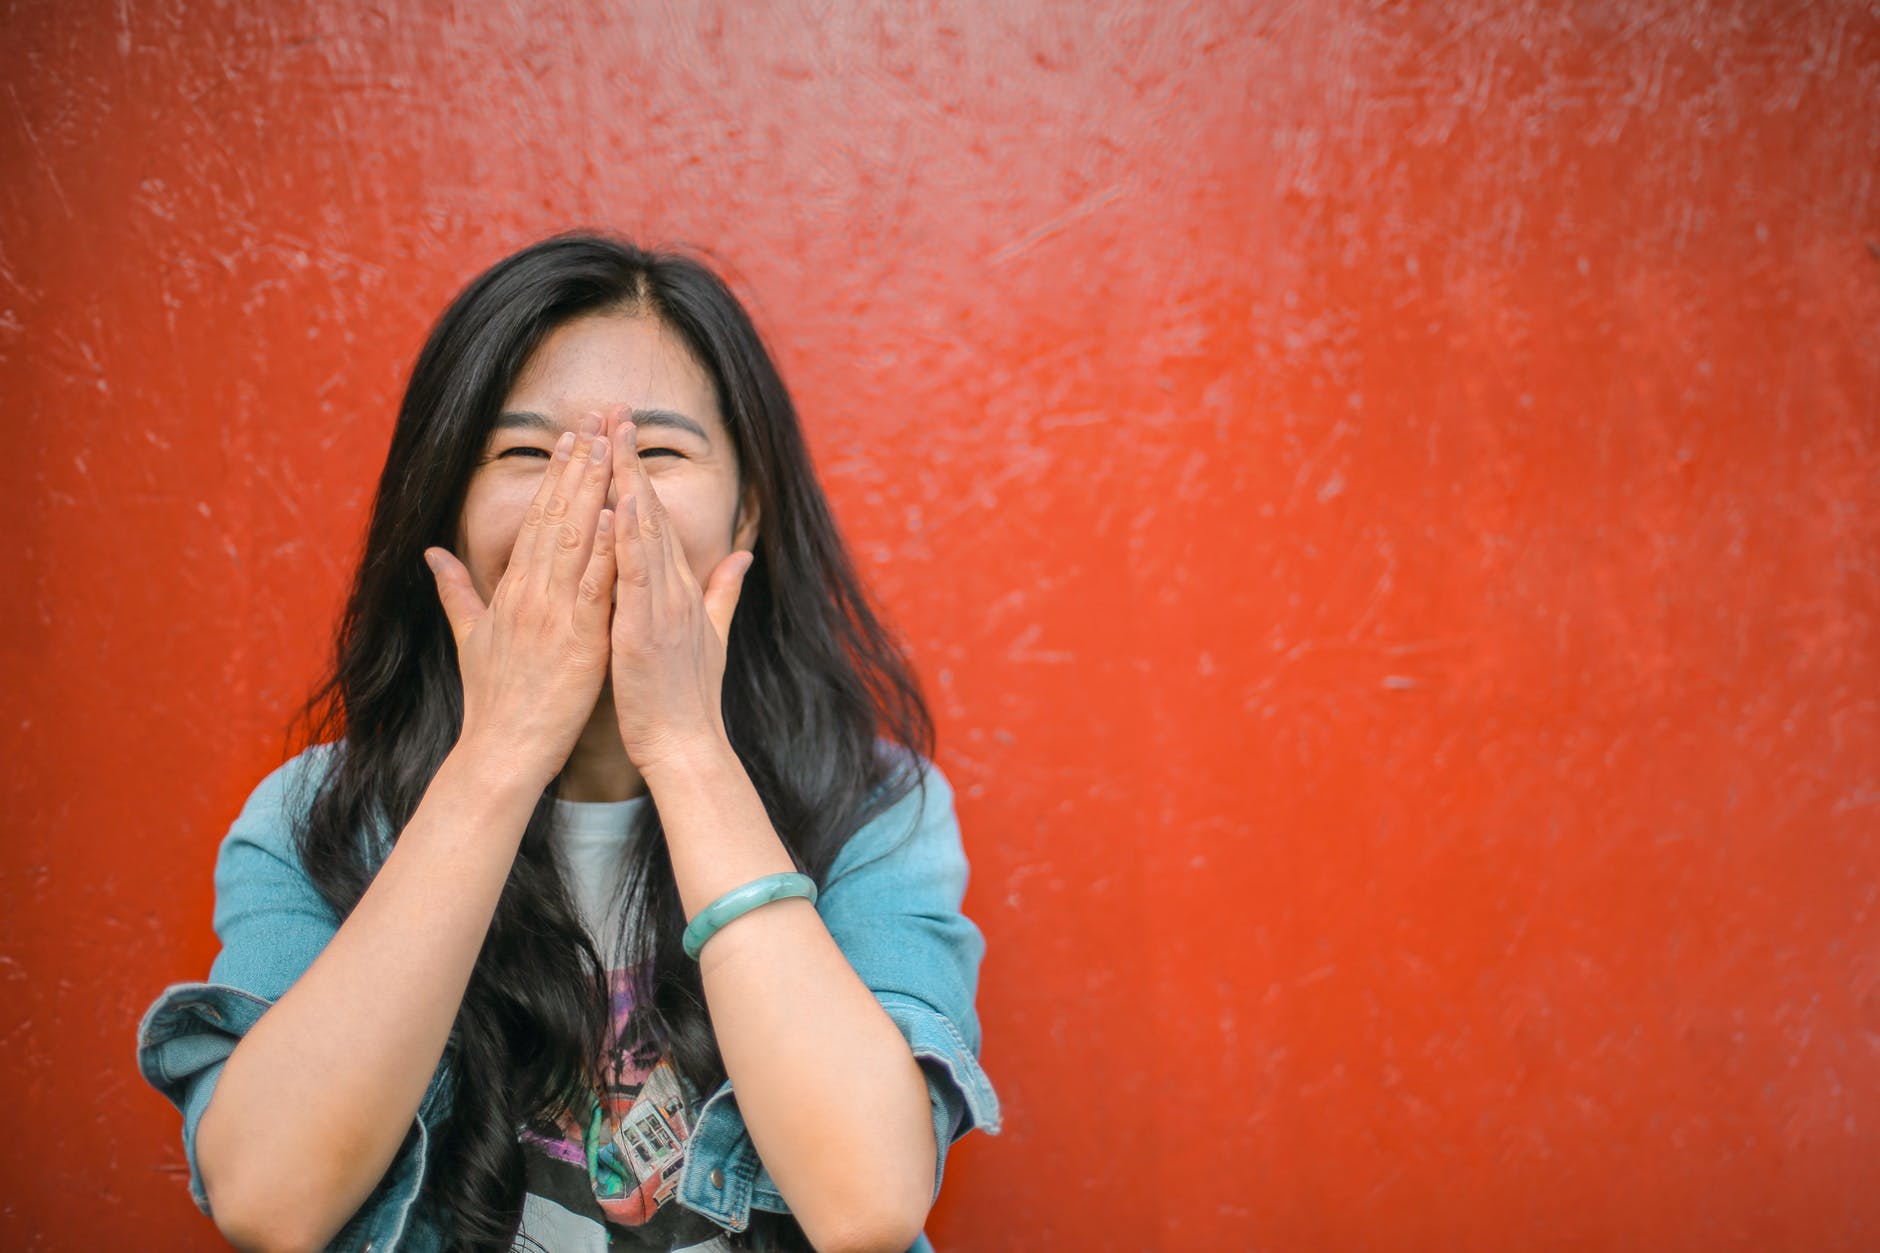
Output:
x=668 y=642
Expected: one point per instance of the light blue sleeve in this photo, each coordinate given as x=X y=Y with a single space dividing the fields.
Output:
x=272 y=923
x=892 y=903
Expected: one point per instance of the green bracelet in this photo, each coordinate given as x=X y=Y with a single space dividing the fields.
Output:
x=742 y=900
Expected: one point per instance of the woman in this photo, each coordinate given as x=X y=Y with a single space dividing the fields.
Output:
x=637 y=692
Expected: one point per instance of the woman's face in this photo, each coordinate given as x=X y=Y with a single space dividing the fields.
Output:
x=607 y=363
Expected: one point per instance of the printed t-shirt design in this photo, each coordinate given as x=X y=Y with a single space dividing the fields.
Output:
x=605 y=1175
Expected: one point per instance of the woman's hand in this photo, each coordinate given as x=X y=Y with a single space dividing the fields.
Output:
x=533 y=659
x=668 y=634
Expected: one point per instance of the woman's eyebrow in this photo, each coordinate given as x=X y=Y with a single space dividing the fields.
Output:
x=672 y=419
x=523 y=420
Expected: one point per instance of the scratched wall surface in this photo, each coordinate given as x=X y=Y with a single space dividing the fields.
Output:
x=1383 y=498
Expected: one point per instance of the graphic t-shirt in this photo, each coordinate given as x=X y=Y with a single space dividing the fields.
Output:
x=607 y=1177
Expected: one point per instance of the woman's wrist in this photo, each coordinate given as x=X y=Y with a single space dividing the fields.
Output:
x=717 y=830
x=704 y=757
x=496 y=769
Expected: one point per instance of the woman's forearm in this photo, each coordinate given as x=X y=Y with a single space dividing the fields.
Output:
x=835 y=1103
x=315 y=1100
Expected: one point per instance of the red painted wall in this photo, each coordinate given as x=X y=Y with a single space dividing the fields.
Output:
x=1383 y=496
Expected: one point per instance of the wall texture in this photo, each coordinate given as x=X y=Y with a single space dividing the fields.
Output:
x=1383 y=497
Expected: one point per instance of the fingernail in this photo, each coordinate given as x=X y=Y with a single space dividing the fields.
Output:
x=600 y=447
x=564 y=447
x=430 y=559
x=607 y=521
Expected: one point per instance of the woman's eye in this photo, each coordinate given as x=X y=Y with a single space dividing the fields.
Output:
x=523 y=451
x=659 y=452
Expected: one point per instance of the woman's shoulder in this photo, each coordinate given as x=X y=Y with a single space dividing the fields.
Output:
x=913 y=825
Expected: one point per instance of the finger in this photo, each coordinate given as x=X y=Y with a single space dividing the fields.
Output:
x=594 y=599
x=462 y=606
x=634 y=608
x=643 y=520
x=677 y=568
x=558 y=534
x=575 y=539
x=722 y=590
x=532 y=521
x=634 y=481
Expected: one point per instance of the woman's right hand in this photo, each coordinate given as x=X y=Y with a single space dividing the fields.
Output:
x=534 y=658
x=339 y=1065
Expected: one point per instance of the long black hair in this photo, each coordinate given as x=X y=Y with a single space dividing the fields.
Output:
x=814 y=688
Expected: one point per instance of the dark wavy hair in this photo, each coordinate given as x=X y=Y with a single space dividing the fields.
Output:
x=815 y=688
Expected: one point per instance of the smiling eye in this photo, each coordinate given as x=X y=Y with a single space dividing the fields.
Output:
x=522 y=450
x=659 y=452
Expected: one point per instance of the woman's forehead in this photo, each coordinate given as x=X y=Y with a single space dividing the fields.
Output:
x=607 y=361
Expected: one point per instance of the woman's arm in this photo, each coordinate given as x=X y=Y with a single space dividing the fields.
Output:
x=837 y=1108
x=313 y=1103
x=836 y=1105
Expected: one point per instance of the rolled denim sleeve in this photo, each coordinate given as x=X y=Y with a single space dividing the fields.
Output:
x=892 y=903
x=272 y=922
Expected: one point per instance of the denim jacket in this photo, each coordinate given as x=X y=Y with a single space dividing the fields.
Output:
x=891 y=901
